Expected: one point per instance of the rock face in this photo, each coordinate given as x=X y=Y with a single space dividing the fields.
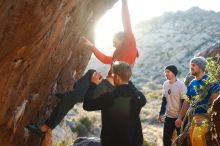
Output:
x=214 y=134
x=40 y=54
x=211 y=52
x=174 y=38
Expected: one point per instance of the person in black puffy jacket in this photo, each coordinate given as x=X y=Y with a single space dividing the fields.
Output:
x=120 y=108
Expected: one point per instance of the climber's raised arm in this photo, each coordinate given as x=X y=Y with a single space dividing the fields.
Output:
x=102 y=57
x=126 y=17
x=129 y=36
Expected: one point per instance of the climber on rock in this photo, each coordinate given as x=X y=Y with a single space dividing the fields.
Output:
x=126 y=50
x=198 y=103
x=120 y=108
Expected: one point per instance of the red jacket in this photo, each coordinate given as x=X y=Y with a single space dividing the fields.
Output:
x=129 y=52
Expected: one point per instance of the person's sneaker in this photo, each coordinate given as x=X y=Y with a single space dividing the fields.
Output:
x=36 y=129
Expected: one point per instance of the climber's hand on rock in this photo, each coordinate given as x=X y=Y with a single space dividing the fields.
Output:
x=87 y=42
x=96 y=78
x=178 y=123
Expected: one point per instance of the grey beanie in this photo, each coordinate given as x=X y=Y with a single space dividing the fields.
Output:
x=200 y=61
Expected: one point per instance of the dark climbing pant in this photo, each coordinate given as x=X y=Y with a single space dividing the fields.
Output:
x=69 y=100
x=169 y=127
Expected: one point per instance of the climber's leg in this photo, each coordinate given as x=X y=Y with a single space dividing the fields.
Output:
x=60 y=111
x=69 y=100
x=80 y=88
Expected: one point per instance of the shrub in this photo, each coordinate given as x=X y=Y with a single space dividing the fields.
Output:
x=154 y=95
x=62 y=143
x=146 y=143
x=82 y=127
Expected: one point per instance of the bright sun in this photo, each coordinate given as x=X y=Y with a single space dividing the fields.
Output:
x=107 y=26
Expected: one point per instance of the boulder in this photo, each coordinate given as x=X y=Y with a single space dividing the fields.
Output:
x=214 y=134
x=211 y=51
x=40 y=54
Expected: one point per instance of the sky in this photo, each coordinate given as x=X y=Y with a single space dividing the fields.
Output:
x=141 y=10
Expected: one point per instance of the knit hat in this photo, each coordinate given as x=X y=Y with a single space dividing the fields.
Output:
x=172 y=68
x=200 y=61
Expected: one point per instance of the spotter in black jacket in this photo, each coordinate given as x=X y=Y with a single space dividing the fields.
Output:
x=120 y=110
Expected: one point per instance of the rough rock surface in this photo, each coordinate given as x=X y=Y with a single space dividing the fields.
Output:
x=173 y=38
x=40 y=53
x=214 y=137
x=211 y=52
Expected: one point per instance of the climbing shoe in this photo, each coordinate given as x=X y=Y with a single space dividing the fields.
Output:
x=36 y=129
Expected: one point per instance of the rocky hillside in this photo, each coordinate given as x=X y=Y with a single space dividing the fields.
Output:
x=173 y=38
